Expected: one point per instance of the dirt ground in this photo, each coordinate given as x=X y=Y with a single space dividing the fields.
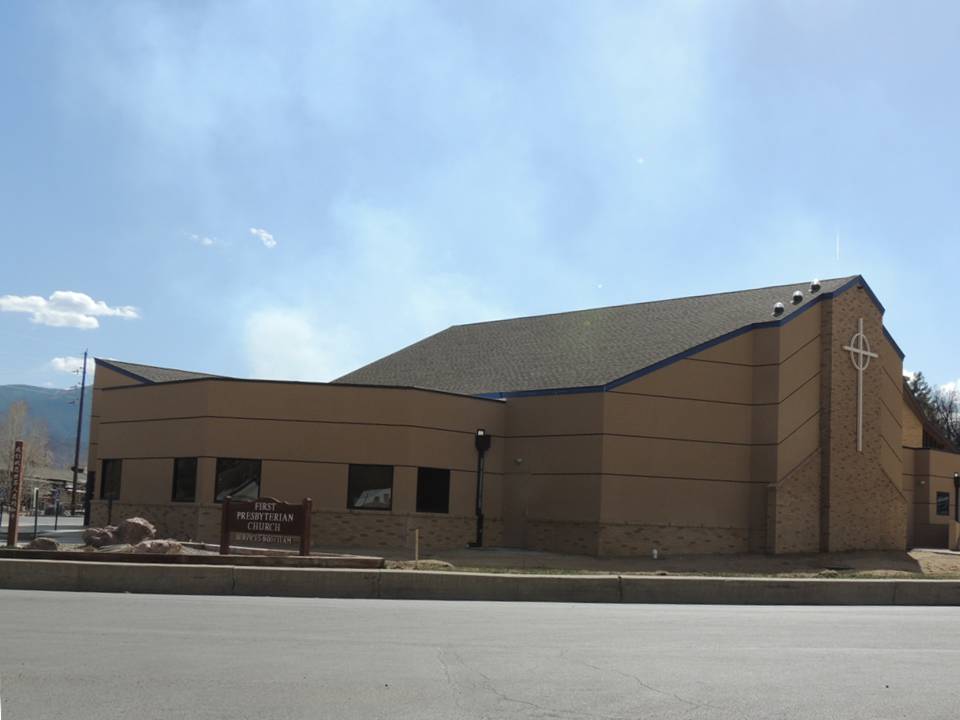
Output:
x=916 y=563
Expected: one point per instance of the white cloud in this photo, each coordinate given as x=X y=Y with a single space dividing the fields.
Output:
x=265 y=237
x=72 y=364
x=203 y=240
x=285 y=344
x=65 y=308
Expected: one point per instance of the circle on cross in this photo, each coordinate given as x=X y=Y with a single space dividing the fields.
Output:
x=860 y=351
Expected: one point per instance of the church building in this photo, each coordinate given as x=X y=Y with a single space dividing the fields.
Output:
x=769 y=420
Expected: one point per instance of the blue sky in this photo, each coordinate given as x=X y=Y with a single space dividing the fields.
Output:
x=291 y=190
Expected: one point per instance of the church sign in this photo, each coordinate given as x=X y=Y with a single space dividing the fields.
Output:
x=16 y=485
x=266 y=520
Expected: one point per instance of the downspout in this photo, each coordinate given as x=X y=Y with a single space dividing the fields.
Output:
x=956 y=497
x=482 y=443
x=956 y=515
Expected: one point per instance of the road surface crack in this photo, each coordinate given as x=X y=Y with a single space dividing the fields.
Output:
x=694 y=704
x=488 y=685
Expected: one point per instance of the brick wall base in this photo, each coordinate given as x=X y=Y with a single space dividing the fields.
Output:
x=389 y=530
x=182 y=522
x=563 y=537
x=794 y=510
x=629 y=540
x=633 y=540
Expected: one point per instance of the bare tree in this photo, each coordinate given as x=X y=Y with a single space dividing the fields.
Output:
x=18 y=425
x=944 y=409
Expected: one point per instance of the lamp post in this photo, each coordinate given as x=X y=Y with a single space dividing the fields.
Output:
x=482 y=442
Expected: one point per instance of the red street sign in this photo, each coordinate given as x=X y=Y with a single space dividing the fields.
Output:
x=16 y=483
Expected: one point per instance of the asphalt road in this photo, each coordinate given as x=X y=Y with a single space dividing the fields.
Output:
x=98 y=656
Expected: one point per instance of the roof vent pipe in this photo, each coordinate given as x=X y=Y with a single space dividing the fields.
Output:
x=815 y=286
x=797 y=297
x=778 y=309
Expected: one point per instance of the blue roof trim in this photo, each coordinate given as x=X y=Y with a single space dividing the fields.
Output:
x=893 y=342
x=546 y=391
x=855 y=281
x=117 y=369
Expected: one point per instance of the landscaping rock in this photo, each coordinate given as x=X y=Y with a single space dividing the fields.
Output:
x=43 y=543
x=135 y=530
x=100 y=537
x=117 y=548
x=159 y=547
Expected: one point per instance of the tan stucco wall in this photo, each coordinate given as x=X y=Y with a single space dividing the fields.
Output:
x=927 y=472
x=912 y=427
x=306 y=435
x=693 y=449
x=552 y=460
x=104 y=378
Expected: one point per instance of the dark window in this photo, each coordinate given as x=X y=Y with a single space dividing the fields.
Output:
x=433 y=490
x=943 y=503
x=184 y=479
x=370 y=487
x=110 y=479
x=238 y=479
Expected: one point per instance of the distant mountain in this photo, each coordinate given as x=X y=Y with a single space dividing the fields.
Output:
x=53 y=407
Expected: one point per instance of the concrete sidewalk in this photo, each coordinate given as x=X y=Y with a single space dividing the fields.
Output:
x=421 y=585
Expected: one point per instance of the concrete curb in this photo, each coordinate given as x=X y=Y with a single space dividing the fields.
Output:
x=419 y=585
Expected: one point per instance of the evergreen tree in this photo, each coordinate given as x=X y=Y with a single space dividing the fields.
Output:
x=921 y=390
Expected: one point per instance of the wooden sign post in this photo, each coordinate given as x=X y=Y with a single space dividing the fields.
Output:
x=266 y=520
x=16 y=485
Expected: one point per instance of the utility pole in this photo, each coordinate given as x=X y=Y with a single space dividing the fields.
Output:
x=76 y=448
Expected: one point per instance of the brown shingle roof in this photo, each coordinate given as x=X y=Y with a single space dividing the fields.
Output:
x=150 y=373
x=580 y=349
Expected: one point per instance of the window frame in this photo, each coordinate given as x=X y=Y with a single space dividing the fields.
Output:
x=216 y=478
x=942 y=496
x=423 y=477
x=173 y=491
x=351 y=505
x=104 y=476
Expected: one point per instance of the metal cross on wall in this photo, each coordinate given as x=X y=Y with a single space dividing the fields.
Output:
x=859 y=349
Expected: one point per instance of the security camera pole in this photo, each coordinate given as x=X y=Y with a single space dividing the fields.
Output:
x=76 y=447
x=482 y=443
